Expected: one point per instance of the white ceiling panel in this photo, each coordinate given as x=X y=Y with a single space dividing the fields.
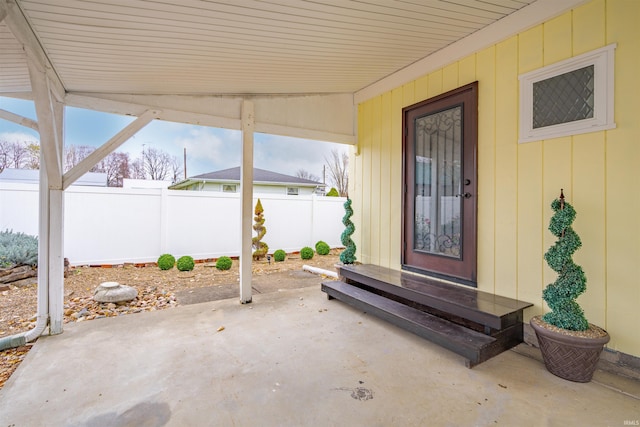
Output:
x=237 y=46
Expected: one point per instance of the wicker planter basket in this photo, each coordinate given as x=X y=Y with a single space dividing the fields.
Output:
x=569 y=354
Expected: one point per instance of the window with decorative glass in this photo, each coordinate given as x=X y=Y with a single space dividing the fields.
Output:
x=569 y=97
x=229 y=188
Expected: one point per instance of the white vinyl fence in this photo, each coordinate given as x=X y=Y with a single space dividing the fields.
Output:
x=115 y=225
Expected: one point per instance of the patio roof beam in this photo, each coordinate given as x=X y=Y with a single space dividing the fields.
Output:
x=21 y=120
x=108 y=147
x=327 y=117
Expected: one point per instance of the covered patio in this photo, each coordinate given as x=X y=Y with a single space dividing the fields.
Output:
x=328 y=71
x=290 y=358
x=296 y=70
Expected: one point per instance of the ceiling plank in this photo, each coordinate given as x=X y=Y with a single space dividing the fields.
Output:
x=22 y=31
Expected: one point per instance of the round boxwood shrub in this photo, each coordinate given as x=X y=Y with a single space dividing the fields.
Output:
x=166 y=261
x=224 y=263
x=279 y=255
x=322 y=248
x=185 y=263
x=306 y=253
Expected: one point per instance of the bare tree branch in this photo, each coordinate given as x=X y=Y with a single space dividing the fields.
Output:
x=301 y=173
x=338 y=165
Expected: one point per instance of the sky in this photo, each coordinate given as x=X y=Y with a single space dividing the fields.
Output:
x=208 y=149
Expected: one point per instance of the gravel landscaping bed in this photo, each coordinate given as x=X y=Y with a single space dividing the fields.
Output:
x=157 y=290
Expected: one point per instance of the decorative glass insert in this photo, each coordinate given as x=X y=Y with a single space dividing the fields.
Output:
x=292 y=191
x=438 y=168
x=569 y=97
x=229 y=188
x=565 y=98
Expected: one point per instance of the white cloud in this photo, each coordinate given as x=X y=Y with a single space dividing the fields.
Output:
x=209 y=149
x=288 y=155
x=19 y=137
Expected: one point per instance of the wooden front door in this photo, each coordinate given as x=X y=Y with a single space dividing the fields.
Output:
x=440 y=177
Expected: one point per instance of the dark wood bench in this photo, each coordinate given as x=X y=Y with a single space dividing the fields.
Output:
x=475 y=324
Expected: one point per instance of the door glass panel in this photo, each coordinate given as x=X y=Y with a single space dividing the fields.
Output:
x=438 y=169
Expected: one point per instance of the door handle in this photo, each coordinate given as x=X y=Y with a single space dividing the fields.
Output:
x=465 y=195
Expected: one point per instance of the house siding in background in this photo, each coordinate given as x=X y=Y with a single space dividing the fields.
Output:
x=264 y=182
x=517 y=182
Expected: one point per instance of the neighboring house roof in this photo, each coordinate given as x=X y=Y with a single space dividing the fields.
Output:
x=32 y=176
x=260 y=176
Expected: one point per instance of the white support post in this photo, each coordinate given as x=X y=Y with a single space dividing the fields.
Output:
x=43 y=249
x=56 y=261
x=56 y=233
x=50 y=113
x=246 y=189
x=49 y=126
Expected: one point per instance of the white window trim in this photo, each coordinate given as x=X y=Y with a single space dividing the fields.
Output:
x=235 y=188
x=603 y=118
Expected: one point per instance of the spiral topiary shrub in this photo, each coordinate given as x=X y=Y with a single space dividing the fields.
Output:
x=261 y=248
x=348 y=255
x=306 y=253
x=322 y=248
x=224 y=263
x=279 y=255
x=185 y=263
x=571 y=282
x=166 y=261
x=333 y=193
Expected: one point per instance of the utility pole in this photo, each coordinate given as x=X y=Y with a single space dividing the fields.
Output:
x=185 y=162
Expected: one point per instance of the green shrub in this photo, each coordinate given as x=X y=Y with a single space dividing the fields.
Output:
x=18 y=249
x=185 y=263
x=224 y=263
x=306 y=253
x=322 y=248
x=279 y=255
x=561 y=295
x=333 y=193
x=348 y=255
x=261 y=248
x=166 y=261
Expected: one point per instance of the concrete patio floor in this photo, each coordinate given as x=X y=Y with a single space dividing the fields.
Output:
x=290 y=358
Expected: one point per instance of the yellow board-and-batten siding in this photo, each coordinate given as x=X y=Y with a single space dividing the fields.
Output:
x=599 y=171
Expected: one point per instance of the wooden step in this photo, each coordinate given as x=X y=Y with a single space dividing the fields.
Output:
x=483 y=308
x=474 y=346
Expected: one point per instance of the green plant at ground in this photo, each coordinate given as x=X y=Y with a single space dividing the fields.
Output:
x=322 y=248
x=279 y=255
x=185 y=263
x=224 y=263
x=261 y=248
x=166 y=261
x=18 y=249
x=306 y=253
x=348 y=255
x=571 y=282
x=333 y=193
